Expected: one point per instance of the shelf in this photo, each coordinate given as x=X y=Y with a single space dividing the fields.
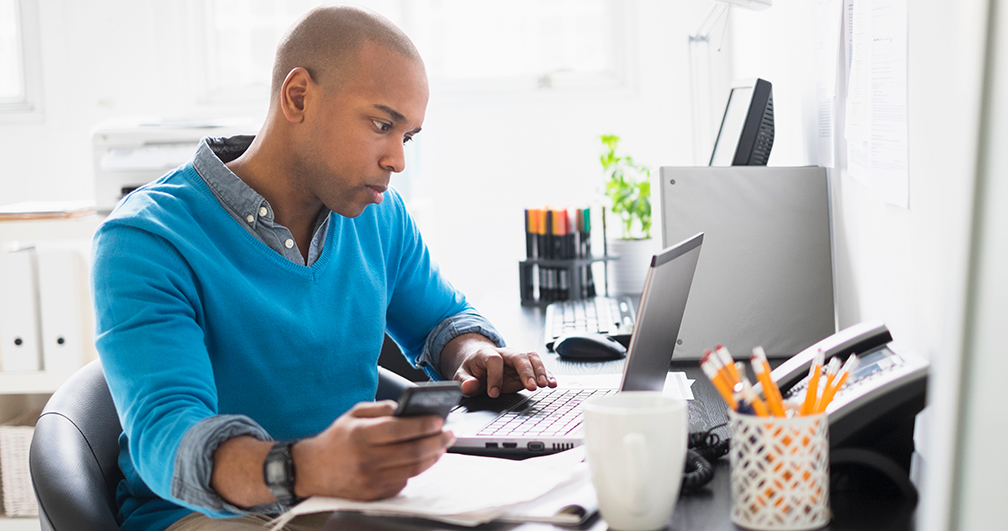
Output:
x=32 y=382
x=50 y=229
x=26 y=523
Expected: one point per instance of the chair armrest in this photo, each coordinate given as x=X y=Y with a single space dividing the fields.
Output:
x=390 y=385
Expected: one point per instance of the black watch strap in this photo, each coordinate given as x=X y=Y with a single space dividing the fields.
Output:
x=278 y=472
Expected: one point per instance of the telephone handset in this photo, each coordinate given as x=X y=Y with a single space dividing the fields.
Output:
x=872 y=418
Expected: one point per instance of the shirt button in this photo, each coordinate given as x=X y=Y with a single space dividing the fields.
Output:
x=289 y=243
x=250 y=218
x=263 y=211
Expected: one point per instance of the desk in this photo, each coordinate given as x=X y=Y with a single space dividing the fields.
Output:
x=706 y=509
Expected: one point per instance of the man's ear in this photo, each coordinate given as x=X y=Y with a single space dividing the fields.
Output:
x=293 y=94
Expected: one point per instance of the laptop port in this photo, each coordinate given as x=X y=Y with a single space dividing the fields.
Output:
x=491 y=445
x=510 y=445
x=536 y=446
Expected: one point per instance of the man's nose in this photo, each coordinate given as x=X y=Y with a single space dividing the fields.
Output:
x=394 y=159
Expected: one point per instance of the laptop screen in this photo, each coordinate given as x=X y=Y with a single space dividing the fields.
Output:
x=659 y=315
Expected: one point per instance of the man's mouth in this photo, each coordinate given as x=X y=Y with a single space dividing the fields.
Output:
x=377 y=193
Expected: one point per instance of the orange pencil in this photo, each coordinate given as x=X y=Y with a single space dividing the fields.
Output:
x=726 y=359
x=848 y=367
x=832 y=368
x=771 y=392
x=808 y=407
x=710 y=368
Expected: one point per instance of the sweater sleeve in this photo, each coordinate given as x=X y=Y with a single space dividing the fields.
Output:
x=150 y=340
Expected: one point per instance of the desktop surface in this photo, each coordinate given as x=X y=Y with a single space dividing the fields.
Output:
x=705 y=509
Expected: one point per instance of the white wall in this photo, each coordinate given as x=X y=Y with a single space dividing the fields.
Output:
x=979 y=493
x=481 y=158
x=99 y=59
x=906 y=267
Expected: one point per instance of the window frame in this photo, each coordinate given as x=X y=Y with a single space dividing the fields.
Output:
x=29 y=106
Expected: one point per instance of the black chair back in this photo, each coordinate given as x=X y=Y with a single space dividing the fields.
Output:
x=74 y=456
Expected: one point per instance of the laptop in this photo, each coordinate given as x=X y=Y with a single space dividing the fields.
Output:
x=549 y=420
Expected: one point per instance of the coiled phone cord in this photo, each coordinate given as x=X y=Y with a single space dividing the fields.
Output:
x=704 y=447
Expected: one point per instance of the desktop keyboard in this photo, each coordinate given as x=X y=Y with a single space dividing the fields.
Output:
x=613 y=316
x=549 y=413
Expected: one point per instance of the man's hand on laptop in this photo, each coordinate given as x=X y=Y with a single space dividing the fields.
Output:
x=482 y=367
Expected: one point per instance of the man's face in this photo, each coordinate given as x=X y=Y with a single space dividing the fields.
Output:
x=356 y=131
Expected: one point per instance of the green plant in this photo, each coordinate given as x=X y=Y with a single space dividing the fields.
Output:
x=628 y=188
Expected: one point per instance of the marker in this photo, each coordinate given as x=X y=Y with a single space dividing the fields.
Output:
x=845 y=371
x=808 y=407
x=772 y=393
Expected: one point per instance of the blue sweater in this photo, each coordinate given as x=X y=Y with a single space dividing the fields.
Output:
x=195 y=317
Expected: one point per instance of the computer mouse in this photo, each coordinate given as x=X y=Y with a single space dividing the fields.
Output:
x=589 y=347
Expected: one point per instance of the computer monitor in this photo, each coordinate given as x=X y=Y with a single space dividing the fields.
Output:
x=747 y=129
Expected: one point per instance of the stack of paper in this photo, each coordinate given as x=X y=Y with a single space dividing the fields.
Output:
x=456 y=490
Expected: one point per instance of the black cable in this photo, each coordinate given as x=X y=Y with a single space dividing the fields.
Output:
x=709 y=444
x=698 y=471
x=704 y=447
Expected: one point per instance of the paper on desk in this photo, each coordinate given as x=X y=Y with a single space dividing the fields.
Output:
x=456 y=490
x=676 y=383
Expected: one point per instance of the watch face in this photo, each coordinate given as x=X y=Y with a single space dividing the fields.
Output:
x=275 y=472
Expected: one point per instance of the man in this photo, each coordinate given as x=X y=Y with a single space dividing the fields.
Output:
x=243 y=299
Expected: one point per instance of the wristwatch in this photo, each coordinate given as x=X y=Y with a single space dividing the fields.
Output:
x=278 y=473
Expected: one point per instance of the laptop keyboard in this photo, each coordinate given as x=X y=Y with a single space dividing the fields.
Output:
x=613 y=316
x=549 y=413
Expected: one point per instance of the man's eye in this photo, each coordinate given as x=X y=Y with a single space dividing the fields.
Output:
x=406 y=139
x=382 y=126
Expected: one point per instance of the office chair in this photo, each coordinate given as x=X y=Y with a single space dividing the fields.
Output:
x=75 y=451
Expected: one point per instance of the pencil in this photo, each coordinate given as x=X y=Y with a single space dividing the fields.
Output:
x=710 y=368
x=813 y=384
x=726 y=359
x=771 y=392
x=848 y=367
x=832 y=368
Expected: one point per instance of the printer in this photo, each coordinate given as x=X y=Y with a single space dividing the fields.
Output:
x=133 y=151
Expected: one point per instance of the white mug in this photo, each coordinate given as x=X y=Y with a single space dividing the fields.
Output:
x=636 y=447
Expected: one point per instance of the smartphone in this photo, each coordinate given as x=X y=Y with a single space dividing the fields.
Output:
x=429 y=398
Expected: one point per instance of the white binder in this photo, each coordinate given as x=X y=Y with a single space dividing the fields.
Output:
x=19 y=329
x=61 y=292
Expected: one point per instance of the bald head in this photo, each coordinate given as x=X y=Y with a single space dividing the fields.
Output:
x=327 y=42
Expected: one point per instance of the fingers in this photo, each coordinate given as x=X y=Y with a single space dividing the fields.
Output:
x=494 y=364
x=543 y=377
x=471 y=385
x=411 y=456
x=381 y=408
x=503 y=370
x=527 y=371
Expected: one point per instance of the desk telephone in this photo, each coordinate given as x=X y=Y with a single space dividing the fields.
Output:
x=872 y=418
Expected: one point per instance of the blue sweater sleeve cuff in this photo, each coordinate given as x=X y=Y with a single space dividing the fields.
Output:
x=194 y=465
x=466 y=322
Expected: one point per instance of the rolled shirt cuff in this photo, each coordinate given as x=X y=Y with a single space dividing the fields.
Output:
x=194 y=465
x=466 y=322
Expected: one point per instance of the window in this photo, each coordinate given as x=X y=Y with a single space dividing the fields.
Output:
x=240 y=41
x=519 y=44
x=19 y=57
x=472 y=45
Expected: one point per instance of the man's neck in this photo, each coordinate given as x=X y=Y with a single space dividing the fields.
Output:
x=261 y=167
